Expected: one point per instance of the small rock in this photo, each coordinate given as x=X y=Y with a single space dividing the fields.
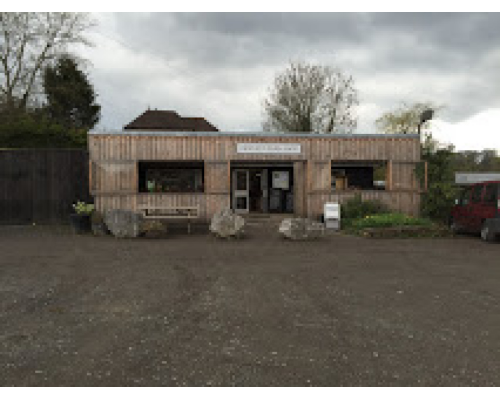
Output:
x=301 y=229
x=98 y=225
x=153 y=228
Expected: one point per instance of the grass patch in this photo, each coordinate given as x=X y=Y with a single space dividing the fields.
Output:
x=389 y=220
x=393 y=225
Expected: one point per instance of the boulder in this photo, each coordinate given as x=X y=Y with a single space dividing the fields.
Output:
x=123 y=223
x=301 y=229
x=227 y=224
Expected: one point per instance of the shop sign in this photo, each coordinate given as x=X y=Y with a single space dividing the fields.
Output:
x=268 y=148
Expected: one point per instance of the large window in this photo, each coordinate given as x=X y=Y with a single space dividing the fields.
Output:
x=464 y=198
x=352 y=177
x=171 y=177
x=490 y=194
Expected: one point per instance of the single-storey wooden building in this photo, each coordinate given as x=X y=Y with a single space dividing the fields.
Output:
x=251 y=172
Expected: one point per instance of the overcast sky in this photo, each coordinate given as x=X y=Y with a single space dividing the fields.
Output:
x=220 y=66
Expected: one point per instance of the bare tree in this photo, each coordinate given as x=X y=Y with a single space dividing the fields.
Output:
x=311 y=98
x=28 y=43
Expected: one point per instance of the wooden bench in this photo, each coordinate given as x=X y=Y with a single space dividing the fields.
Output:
x=172 y=212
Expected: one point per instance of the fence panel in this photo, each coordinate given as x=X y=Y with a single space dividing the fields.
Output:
x=39 y=185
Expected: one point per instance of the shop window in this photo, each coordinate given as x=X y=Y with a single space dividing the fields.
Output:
x=351 y=177
x=171 y=177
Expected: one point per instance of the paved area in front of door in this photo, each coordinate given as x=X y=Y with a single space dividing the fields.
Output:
x=191 y=310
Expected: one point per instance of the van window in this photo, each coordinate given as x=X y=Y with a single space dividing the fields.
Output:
x=476 y=194
x=490 y=193
x=465 y=196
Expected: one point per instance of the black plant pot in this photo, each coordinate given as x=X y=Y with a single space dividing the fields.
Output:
x=80 y=223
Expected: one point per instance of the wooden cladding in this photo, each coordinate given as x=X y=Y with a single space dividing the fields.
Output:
x=223 y=148
x=217 y=178
x=113 y=176
x=114 y=173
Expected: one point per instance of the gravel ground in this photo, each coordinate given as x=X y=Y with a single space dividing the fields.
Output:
x=191 y=310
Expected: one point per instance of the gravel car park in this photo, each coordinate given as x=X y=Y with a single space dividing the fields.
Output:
x=192 y=310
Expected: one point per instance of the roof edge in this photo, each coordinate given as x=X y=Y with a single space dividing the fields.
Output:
x=132 y=132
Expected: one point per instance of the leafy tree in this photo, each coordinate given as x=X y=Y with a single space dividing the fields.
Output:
x=405 y=119
x=311 y=98
x=36 y=130
x=70 y=96
x=28 y=43
x=437 y=201
x=476 y=161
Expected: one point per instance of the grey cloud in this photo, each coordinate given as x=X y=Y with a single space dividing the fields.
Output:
x=441 y=57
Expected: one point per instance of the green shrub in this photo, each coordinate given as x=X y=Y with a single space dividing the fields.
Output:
x=359 y=208
x=38 y=131
x=83 y=208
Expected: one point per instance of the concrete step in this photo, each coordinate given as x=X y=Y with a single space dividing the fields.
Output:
x=272 y=220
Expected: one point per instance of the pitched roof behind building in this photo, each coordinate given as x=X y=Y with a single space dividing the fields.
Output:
x=163 y=120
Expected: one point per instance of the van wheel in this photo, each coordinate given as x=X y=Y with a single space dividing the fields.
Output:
x=487 y=234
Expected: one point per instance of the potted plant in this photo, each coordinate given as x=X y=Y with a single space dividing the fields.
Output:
x=80 y=221
x=151 y=186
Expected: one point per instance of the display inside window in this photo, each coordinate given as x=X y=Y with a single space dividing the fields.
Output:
x=346 y=177
x=339 y=179
x=170 y=177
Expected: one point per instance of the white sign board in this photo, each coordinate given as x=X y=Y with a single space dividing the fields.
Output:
x=268 y=148
x=468 y=178
x=332 y=216
x=332 y=211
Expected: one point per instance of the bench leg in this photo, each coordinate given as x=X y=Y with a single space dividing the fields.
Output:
x=189 y=227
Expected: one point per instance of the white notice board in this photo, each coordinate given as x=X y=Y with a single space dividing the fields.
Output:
x=281 y=180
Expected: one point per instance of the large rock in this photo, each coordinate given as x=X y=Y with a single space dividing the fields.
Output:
x=301 y=229
x=123 y=223
x=227 y=224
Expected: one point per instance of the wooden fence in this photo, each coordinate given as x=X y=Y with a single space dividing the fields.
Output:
x=40 y=185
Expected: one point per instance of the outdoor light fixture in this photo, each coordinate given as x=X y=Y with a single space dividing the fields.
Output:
x=424 y=117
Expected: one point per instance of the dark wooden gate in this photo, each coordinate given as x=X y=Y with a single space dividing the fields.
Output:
x=40 y=185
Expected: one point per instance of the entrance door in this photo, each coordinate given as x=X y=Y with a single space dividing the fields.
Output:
x=241 y=190
x=265 y=191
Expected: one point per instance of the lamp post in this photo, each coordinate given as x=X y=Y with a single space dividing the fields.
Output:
x=424 y=117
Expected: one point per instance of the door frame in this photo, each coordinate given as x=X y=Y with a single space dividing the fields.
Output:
x=237 y=193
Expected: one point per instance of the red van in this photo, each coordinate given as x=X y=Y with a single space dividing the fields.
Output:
x=477 y=210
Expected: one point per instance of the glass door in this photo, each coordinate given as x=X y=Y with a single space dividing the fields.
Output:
x=241 y=190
